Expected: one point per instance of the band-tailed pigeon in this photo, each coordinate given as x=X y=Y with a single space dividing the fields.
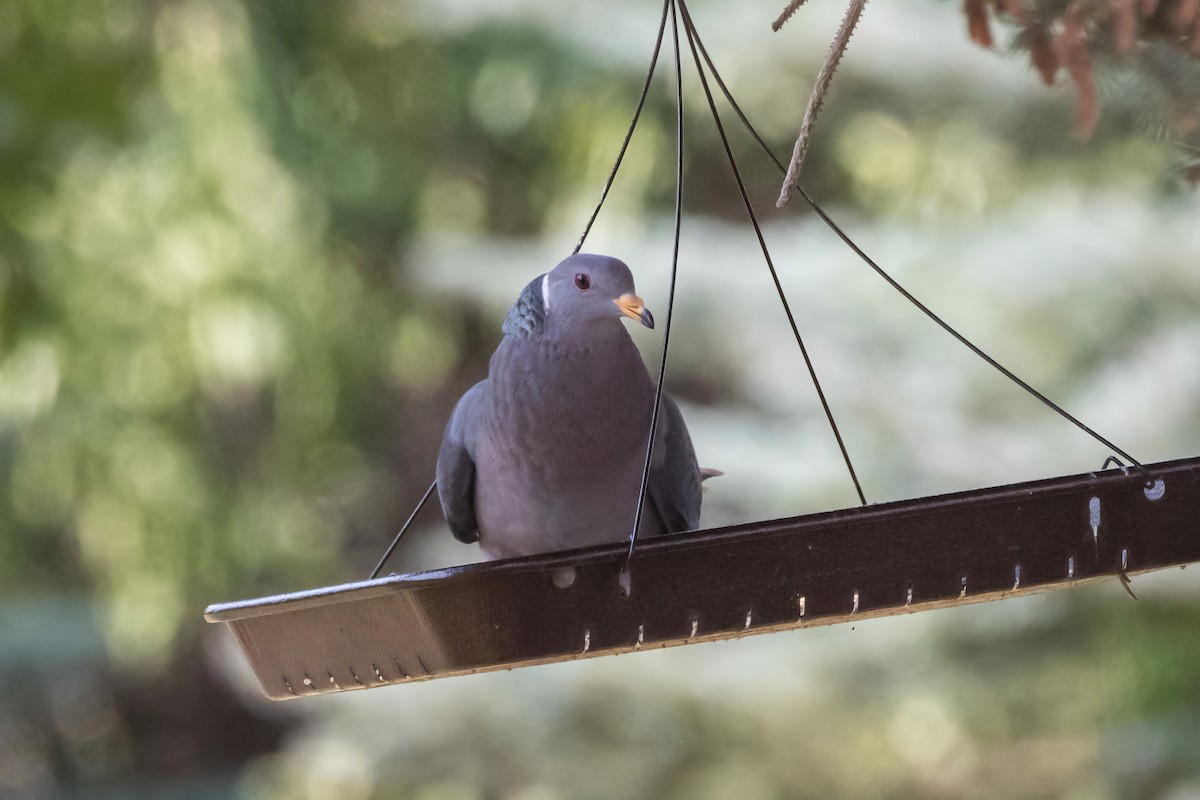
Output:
x=547 y=453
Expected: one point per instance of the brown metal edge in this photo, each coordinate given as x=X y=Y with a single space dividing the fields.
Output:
x=718 y=636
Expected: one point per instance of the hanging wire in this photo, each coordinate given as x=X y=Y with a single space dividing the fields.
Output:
x=404 y=529
x=896 y=285
x=662 y=365
x=690 y=31
x=695 y=41
x=612 y=176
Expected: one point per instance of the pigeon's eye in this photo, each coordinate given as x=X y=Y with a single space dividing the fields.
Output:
x=583 y=282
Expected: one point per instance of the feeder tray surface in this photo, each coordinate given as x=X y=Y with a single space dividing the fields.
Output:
x=818 y=569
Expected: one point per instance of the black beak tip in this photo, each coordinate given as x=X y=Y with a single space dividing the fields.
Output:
x=647 y=318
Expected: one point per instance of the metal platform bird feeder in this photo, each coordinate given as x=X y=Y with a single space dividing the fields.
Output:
x=820 y=569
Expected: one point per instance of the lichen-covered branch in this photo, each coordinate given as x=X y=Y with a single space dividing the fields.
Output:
x=786 y=14
x=824 y=78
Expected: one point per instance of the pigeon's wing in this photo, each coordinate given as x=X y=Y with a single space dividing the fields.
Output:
x=456 y=467
x=674 y=474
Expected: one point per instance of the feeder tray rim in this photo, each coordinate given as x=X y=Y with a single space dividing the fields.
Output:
x=783 y=526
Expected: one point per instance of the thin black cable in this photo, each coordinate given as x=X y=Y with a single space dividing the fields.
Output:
x=690 y=31
x=1112 y=460
x=404 y=529
x=662 y=365
x=904 y=292
x=612 y=176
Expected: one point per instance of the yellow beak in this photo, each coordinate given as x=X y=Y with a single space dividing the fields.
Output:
x=634 y=307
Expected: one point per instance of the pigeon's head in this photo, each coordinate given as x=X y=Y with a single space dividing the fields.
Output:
x=588 y=288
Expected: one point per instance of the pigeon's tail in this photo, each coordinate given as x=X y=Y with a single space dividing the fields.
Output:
x=705 y=474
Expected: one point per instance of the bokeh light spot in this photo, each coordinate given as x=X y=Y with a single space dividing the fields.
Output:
x=504 y=96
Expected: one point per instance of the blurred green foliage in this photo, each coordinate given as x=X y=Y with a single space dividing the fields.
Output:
x=205 y=323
